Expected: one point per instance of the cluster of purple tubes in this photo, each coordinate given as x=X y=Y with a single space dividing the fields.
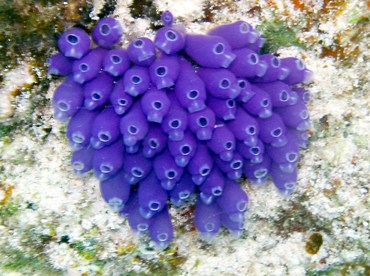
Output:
x=181 y=115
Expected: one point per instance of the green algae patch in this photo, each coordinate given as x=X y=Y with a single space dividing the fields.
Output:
x=297 y=218
x=147 y=261
x=277 y=34
x=348 y=45
x=108 y=8
x=88 y=249
x=6 y=130
x=89 y=246
x=9 y=206
x=28 y=36
x=165 y=263
x=358 y=267
x=212 y=7
x=7 y=210
x=32 y=27
x=146 y=9
x=28 y=264
x=29 y=257
x=314 y=243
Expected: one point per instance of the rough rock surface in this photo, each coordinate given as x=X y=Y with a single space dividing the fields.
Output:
x=52 y=222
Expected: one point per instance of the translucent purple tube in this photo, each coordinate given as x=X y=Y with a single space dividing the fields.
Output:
x=97 y=91
x=116 y=62
x=245 y=127
x=164 y=71
x=167 y=18
x=182 y=151
x=286 y=154
x=297 y=71
x=120 y=100
x=137 y=222
x=201 y=164
x=247 y=64
x=232 y=168
x=136 y=167
x=105 y=128
x=161 y=229
x=176 y=121
x=253 y=153
x=190 y=89
x=222 y=142
x=59 y=64
x=238 y=34
x=257 y=45
x=166 y=170
x=107 y=32
x=201 y=123
x=207 y=219
x=132 y=149
x=295 y=116
x=275 y=71
x=108 y=160
x=259 y=104
x=206 y=198
x=141 y=51
x=246 y=92
x=220 y=83
x=115 y=191
x=67 y=100
x=136 y=80
x=301 y=137
x=79 y=128
x=182 y=190
x=303 y=94
x=82 y=160
x=235 y=227
x=155 y=105
x=74 y=43
x=280 y=93
x=214 y=184
x=233 y=201
x=152 y=197
x=257 y=173
x=285 y=182
x=154 y=142
x=209 y=51
x=170 y=39
x=88 y=67
x=273 y=131
x=134 y=126
x=224 y=109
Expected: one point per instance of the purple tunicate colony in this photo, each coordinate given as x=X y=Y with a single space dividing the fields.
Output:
x=185 y=114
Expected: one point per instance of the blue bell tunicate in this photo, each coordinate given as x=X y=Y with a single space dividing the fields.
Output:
x=179 y=120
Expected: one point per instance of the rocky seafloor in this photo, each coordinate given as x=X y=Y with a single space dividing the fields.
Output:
x=53 y=223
